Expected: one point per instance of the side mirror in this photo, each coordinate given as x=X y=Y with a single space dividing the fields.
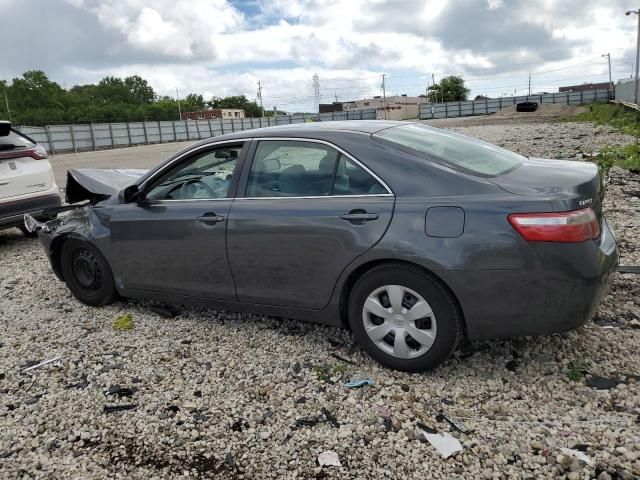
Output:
x=131 y=194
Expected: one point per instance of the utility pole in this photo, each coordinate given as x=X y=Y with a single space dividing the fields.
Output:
x=608 y=55
x=335 y=95
x=529 y=84
x=6 y=102
x=178 y=97
x=384 y=97
x=316 y=91
x=637 y=12
x=260 y=97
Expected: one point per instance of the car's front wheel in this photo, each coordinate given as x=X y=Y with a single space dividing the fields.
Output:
x=87 y=273
x=404 y=317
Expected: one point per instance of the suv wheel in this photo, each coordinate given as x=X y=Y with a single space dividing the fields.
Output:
x=404 y=318
x=87 y=273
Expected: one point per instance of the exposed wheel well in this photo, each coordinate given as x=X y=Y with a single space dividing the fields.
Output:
x=55 y=249
x=362 y=269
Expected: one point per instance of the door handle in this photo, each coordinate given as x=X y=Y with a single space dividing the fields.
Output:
x=210 y=217
x=359 y=216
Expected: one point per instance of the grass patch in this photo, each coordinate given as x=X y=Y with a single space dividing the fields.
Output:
x=325 y=372
x=625 y=156
x=617 y=116
x=577 y=370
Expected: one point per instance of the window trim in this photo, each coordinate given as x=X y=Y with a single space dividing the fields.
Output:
x=245 y=187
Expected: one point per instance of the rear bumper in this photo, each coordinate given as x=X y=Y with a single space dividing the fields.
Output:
x=12 y=212
x=561 y=293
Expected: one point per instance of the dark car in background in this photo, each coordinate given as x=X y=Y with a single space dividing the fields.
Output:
x=413 y=237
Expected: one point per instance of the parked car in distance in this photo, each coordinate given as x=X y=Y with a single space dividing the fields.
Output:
x=27 y=184
x=527 y=107
x=412 y=236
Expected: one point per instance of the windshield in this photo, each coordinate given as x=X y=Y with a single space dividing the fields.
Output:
x=465 y=153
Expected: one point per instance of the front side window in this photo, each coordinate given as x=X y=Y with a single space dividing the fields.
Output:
x=205 y=176
x=287 y=168
x=458 y=151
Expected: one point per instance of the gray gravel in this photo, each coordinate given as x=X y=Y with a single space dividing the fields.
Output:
x=218 y=394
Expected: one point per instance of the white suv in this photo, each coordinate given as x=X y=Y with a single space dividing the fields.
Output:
x=27 y=184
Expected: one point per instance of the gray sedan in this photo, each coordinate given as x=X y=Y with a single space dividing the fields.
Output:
x=411 y=236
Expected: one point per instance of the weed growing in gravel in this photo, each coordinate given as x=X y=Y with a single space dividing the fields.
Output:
x=615 y=115
x=577 y=370
x=325 y=372
x=123 y=322
x=625 y=156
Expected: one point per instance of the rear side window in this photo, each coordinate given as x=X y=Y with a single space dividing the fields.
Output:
x=15 y=140
x=289 y=168
x=458 y=151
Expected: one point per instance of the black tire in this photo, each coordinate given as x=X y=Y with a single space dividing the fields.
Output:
x=87 y=273
x=27 y=233
x=444 y=307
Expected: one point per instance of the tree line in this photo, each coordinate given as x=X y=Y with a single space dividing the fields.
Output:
x=34 y=99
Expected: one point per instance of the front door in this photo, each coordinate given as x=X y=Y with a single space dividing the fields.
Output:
x=174 y=240
x=308 y=211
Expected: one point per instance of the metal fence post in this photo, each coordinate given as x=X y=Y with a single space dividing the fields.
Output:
x=198 y=129
x=47 y=129
x=146 y=136
x=73 y=139
x=128 y=133
x=160 y=131
x=175 y=135
x=233 y=127
x=581 y=97
x=251 y=122
x=113 y=144
x=93 y=137
x=210 y=129
x=222 y=125
x=186 y=126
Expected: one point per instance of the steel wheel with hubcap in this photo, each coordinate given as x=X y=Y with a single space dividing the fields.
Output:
x=404 y=317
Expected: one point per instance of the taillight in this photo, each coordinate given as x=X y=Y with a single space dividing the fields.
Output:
x=566 y=227
x=37 y=152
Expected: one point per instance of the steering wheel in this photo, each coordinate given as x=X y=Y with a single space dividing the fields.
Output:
x=184 y=191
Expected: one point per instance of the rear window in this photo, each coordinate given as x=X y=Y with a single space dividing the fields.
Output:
x=458 y=151
x=14 y=140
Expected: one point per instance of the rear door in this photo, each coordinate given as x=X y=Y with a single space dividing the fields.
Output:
x=174 y=242
x=20 y=173
x=307 y=211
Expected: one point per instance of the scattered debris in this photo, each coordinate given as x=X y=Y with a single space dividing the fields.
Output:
x=302 y=399
x=82 y=383
x=307 y=422
x=602 y=383
x=511 y=365
x=123 y=322
x=330 y=417
x=444 y=443
x=166 y=311
x=358 y=383
x=577 y=454
x=387 y=424
x=119 y=408
x=342 y=359
x=629 y=269
x=329 y=458
x=453 y=421
x=120 y=391
x=426 y=428
x=40 y=364
x=335 y=343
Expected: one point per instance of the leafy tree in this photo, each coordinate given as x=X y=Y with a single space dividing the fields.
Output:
x=193 y=103
x=251 y=109
x=449 y=89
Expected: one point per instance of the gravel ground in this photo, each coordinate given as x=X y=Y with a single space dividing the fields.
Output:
x=218 y=394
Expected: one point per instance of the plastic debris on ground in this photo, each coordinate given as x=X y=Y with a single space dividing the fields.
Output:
x=119 y=408
x=443 y=442
x=41 y=364
x=602 y=383
x=123 y=322
x=577 y=454
x=342 y=359
x=120 y=391
x=453 y=421
x=359 y=383
x=329 y=458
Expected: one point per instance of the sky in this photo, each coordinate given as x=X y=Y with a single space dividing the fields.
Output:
x=224 y=47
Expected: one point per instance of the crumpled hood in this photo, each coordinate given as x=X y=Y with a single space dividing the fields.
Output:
x=97 y=185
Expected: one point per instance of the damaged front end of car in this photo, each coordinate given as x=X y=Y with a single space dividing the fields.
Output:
x=90 y=195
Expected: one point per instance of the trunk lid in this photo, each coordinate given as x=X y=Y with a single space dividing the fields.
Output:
x=574 y=184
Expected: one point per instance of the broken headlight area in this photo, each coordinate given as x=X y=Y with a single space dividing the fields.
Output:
x=53 y=218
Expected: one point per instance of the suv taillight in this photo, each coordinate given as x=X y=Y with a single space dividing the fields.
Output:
x=37 y=152
x=565 y=227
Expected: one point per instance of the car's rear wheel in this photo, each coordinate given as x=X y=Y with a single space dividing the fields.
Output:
x=87 y=273
x=404 y=317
